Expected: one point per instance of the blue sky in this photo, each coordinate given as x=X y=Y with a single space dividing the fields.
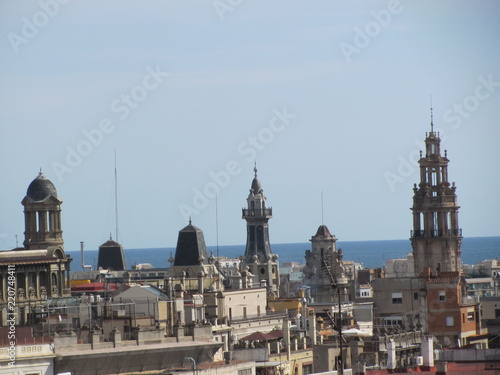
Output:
x=326 y=96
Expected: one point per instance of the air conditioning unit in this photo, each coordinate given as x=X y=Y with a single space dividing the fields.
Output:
x=117 y=313
x=420 y=360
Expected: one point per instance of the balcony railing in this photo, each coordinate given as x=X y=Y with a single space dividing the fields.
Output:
x=435 y=233
x=446 y=200
x=470 y=300
x=267 y=314
x=257 y=212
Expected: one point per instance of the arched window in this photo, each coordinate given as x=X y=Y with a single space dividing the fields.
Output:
x=58 y=254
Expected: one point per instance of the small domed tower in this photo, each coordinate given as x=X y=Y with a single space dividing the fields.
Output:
x=42 y=215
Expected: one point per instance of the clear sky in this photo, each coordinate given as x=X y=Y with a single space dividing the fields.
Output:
x=326 y=96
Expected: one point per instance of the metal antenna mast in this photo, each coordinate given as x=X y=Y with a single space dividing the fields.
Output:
x=322 y=223
x=216 y=226
x=116 y=200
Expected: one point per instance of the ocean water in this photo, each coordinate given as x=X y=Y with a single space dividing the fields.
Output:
x=371 y=253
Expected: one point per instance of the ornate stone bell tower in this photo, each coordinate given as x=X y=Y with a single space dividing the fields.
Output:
x=436 y=237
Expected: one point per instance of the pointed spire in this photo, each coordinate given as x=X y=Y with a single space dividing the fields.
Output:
x=255 y=169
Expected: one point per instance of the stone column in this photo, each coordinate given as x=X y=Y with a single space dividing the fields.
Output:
x=37 y=284
x=27 y=225
x=428 y=351
x=391 y=355
x=221 y=308
x=115 y=336
x=201 y=276
x=286 y=337
x=312 y=329
x=4 y=286
x=52 y=226
x=179 y=304
x=26 y=283
x=244 y=278
x=60 y=278
x=42 y=220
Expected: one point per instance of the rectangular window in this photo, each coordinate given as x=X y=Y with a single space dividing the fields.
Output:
x=497 y=313
x=442 y=296
x=449 y=321
x=397 y=298
x=393 y=321
x=307 y=369
x=470 y=316
x=415 y=296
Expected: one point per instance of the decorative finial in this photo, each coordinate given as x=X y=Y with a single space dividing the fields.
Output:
x=189 y=220
x=255 y=168
x=432 y=123
x=110 y=237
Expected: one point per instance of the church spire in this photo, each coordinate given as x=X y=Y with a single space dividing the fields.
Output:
x=258 y=255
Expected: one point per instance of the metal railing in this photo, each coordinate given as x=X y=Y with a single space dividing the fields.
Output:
x=257 y=212
x=268 y=314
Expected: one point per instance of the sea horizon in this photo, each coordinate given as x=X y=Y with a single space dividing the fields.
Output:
x=372 y=254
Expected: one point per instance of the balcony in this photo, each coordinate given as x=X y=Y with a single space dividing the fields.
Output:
x=436 y=233
x=444 y=200
x=470 y=300
x=257 y=212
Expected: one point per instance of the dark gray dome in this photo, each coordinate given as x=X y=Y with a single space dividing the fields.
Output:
x=256 y=187
x=40 y=188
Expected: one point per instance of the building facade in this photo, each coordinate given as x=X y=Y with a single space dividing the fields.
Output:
x=40 y=269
